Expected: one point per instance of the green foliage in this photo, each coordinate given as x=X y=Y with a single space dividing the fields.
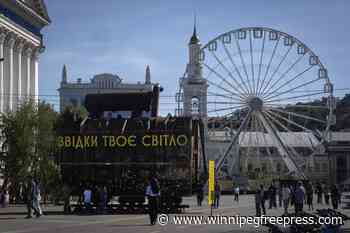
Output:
x=28 y=138
x=17 y=131
x=70 y=118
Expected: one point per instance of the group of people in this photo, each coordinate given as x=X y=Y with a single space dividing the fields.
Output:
x=296 y=195
x=216 y=195
x=100 y=195
x=97 y=195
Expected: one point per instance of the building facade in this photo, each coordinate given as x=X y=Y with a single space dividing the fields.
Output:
x=21 y=42
x=339 y=157
x=73 y=93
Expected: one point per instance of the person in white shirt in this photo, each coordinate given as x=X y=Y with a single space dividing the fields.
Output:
x=285 y=197
x=236 y=193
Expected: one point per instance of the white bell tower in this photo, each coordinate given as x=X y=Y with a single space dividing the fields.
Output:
x=194 y=86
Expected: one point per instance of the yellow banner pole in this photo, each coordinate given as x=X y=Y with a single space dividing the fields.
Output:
x=211 y=185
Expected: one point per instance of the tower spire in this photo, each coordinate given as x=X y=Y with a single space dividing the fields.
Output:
x=148 y=75
x=64 y=74
x=194 y=38
x=195 y=25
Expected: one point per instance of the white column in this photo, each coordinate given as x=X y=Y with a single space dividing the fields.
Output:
x=28 y=54
x=24 y=76
x=19 y=50
x=11 y=43
x=2 y=55
x=35 y=76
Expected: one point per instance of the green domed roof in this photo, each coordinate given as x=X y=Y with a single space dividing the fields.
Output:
x=194 y=38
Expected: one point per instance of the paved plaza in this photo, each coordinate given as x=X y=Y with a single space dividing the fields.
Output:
x=12 y=220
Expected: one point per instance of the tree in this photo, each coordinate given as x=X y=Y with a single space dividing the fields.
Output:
x=18 y=141
x=45 y=168
x=29 y=138
x=71 y=118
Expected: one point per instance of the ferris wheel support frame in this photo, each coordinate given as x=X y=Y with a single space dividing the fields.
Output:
x=233 y=142
x=284 y=153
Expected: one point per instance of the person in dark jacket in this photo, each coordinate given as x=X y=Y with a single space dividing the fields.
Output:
x=260 y=198
x=217 y=194
x=280 y=195
x=299 y=197
x=66 y=198
x=319 y=192
x=28 y=195
x=153 y=195
x=335 y=197
x=2 y=197
x=326 y=193
x=272 y=196
x=103 y=199
x=200 y=194
x=309 y=196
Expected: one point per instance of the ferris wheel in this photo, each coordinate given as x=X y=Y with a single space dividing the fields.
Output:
x=274 y=86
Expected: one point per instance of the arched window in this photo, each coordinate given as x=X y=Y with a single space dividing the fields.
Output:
x=195 y=105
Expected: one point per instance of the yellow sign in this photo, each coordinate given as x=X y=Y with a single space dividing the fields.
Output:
x=113 y=141
x=211 y=185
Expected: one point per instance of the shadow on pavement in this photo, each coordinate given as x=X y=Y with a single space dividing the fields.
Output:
x=8 y=218
x=25 y=213
x=130 y=225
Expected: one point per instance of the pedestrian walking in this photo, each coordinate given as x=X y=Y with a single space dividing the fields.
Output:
x=236 y=193
x=299 y=197
x=319 y=192
x=335 y=197
x=37 y=198
x=326 y=193
x=260 y=201
x=2 y=197
x=29 y=190
x=272 y=196
x=153 y=194
x=103 y=199
x=309 y=196
x=6 y=199
x=217 y=194
x=200 y=194
x=286 y=194
x=28 y=196
x=280 y=195
x=66 y=198
x=87 y=194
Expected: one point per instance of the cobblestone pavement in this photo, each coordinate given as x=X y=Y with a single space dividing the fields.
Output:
x=12 y=220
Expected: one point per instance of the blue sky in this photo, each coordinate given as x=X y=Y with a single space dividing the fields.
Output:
x=122 y=37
